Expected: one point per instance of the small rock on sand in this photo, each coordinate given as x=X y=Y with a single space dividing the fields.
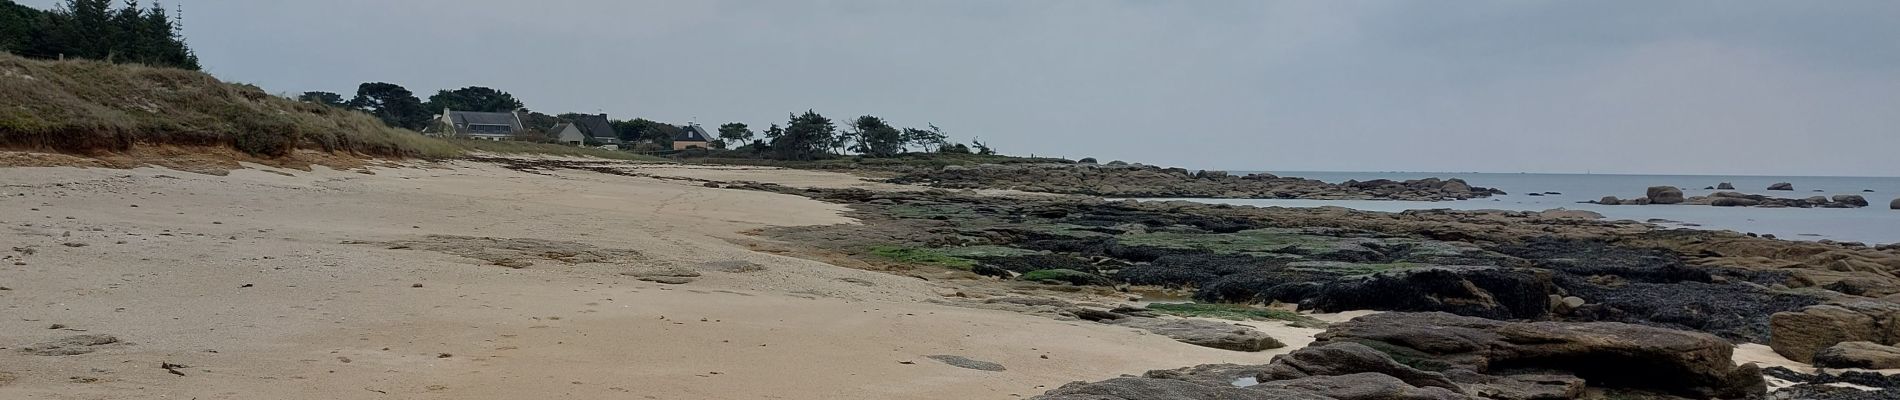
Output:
x=670 y=276
x=70 y=345
x=964 y=362
x=737 y=266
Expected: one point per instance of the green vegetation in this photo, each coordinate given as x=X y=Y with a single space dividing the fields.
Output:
x=92 y=29
x=395 y=105
x=472 y=98
x=1236 y=312
x=84 y=106
x=1068 y=276
x=977 y=252
x=90 y=106
x=922 y=256
x=807 y=137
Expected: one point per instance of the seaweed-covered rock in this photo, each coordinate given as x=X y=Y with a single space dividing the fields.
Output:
x=1068 y=276
x=1490 y=292
x=1734 y=311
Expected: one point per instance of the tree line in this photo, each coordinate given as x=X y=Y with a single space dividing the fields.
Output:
x=399 y=107
x=93 y=29
x=805 y=136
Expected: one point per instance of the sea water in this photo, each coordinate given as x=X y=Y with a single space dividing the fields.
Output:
x=1874 y=224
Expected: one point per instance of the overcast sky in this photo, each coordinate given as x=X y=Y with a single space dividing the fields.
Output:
x=1744 y=87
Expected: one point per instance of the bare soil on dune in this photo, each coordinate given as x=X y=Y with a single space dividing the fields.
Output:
x=466 y=280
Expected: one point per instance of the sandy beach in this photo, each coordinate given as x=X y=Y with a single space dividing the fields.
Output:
x=273 y=283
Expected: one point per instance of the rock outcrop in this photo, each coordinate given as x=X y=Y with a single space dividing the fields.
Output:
x=1799 y=335
x=1867 y=355
x=1444 y=356
x=1733 y=199
x=1490 y=292
x=1781 y=186
x=1895 y=205
x=1851 y=200
x=1725 y=186
x=1140 y=181
x=1204 y=333
x=1664 y=195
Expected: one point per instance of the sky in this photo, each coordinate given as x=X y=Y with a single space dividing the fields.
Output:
x=1687 y=87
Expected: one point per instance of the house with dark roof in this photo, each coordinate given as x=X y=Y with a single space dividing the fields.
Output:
x=597 y=129
x=567 y=133
x=691 y=136
x=479 y=125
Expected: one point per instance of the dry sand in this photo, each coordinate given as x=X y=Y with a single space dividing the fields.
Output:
x=283 y=284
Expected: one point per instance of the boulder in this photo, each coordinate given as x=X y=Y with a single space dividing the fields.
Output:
x=1129 y=388
x=1733 y=202
x=1797 y=335
x=1362 y=386
x=1664 y=195
x=1781 y=186
x=1204 y=333
x=1725 y=186
x=1868 y=355
x=1346 y=358
x=1895 y=205
x=1851 y=200
x=1610 y=200
x=1430 y=356
x=1456 y=185
x=1604 y=354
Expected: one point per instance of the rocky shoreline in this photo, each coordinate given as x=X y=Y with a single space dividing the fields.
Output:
x=1478 y=304
x=1142 y=181
x=1669 y=195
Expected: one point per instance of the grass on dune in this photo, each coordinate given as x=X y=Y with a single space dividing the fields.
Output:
x=93 y=107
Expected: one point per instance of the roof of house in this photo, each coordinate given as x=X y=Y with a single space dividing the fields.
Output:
x=596 y=126
x=692 y=133
x=466 y=118
x=558 y=128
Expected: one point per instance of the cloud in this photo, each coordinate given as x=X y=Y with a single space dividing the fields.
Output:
x=1660 y=87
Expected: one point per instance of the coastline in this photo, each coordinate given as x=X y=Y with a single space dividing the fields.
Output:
x=337 y=292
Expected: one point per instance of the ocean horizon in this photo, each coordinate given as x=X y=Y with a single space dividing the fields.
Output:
x=1874 y=224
